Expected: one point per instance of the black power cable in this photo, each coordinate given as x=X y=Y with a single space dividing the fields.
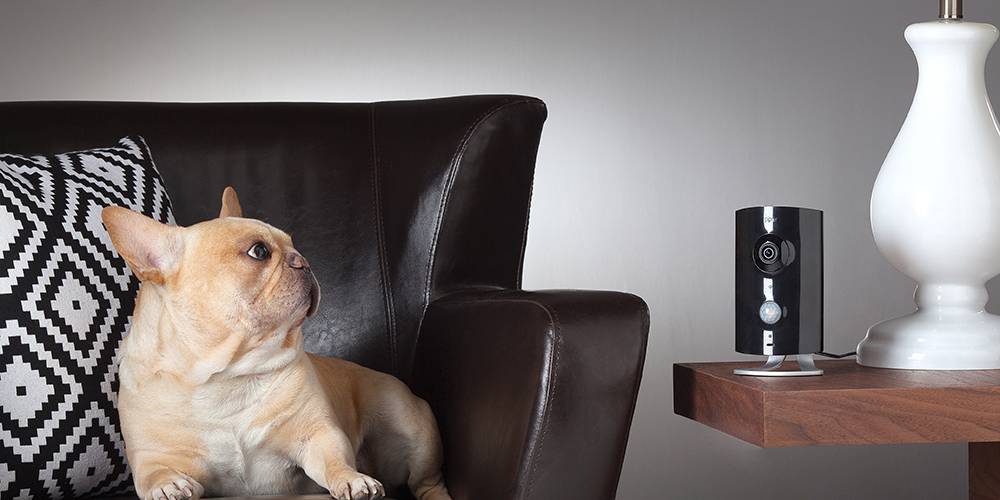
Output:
x=835 y=356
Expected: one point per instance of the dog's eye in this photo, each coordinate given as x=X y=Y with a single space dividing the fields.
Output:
x=259 y=251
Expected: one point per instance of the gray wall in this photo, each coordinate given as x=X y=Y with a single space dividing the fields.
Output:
x=665 y=117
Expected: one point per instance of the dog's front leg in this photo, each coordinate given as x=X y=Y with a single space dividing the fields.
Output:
x=328 y=459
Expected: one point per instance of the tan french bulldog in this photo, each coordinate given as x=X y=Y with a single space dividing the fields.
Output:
x=217 y=395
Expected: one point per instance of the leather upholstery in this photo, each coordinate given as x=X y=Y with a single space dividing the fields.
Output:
x=411 y=213
x=551 y=374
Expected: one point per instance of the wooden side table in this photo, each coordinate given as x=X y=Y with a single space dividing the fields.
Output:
x=852 y=404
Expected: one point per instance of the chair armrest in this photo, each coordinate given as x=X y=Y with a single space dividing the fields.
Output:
x=533 y=391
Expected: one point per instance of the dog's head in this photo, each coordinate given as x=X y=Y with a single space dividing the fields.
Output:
x=227 y=276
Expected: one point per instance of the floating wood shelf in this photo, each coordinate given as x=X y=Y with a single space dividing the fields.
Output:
x=851 y=405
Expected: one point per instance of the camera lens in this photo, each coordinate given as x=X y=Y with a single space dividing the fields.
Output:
x=768 y=252
x=772 y=253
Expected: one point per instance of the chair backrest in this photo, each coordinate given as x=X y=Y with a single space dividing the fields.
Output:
x=393 y=203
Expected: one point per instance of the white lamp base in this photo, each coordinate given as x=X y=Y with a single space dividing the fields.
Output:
x=934 y=339
x=934 y=208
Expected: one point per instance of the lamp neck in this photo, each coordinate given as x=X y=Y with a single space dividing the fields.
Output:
x=950 y=9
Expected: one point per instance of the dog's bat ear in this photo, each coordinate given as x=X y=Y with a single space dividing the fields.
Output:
x=151 y=249
x=230 y=204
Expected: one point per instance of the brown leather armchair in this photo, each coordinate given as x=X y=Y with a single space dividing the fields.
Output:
x=414 y=216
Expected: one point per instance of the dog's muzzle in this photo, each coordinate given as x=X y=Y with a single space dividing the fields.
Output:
x=313 y=294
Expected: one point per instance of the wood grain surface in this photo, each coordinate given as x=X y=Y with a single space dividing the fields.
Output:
x=849 y=404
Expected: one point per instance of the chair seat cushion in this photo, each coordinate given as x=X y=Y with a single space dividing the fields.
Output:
x=65 y=302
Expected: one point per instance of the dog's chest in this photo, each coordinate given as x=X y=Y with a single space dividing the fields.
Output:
x=236 y=457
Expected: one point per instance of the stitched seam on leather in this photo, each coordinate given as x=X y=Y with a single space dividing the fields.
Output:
x=518 y=273
x=456 y=160
x=550 y=397
x=551 y=377
x=524 y=232
x=534 y=450
x=383 y=253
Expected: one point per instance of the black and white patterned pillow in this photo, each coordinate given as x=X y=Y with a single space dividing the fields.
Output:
x=65 y=303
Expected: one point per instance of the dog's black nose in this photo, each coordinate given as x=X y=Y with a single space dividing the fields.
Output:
x=296 y=261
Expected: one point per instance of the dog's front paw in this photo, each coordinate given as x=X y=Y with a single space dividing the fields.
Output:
x=175 y=487
x=352 y=485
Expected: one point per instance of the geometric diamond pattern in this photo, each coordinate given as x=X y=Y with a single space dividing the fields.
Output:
x=65 y=301
x=19 y=376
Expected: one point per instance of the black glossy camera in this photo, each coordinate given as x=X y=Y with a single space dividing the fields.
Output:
x=779 y=282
